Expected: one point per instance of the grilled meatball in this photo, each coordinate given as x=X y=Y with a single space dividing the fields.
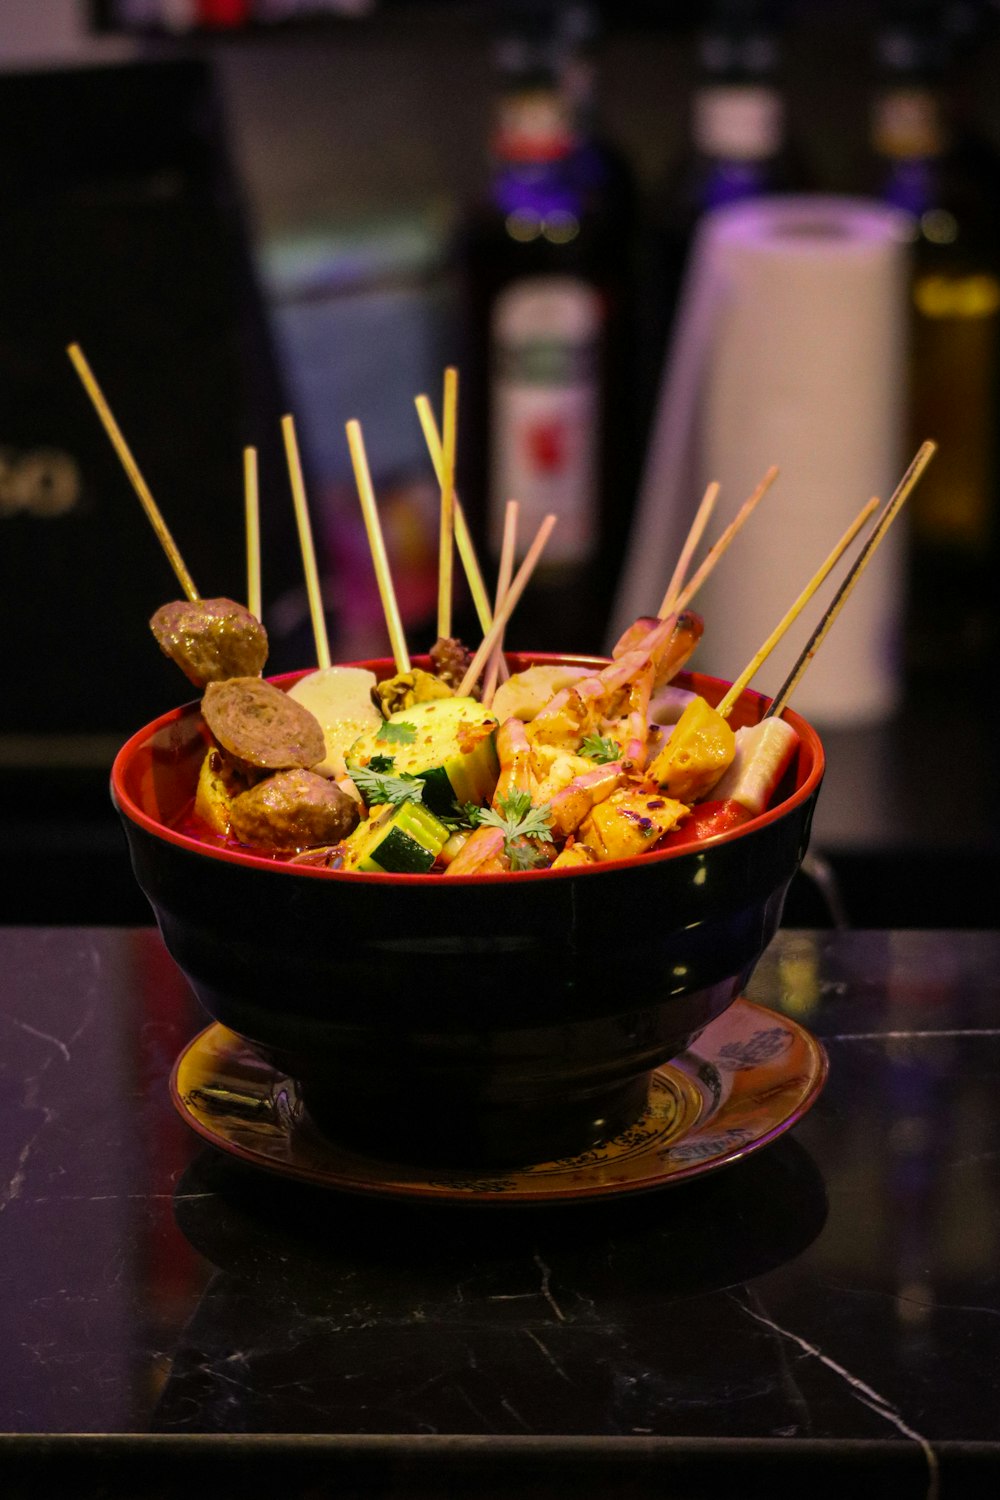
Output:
x=211 y=639
x=259 y=725
x=293 y=810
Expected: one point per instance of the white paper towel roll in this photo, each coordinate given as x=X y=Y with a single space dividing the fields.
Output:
x=790 y=349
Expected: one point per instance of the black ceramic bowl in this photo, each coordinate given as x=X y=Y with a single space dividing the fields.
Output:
x=481 y=1020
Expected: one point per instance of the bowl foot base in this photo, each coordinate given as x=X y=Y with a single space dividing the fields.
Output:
x=474 y=1133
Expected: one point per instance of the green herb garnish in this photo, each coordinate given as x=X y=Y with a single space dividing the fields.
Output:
x=522 y=855
x=468 y=815
x=519 y=822
x=399 y=733
x=600 y=748
x=381 y=762
x=377 y=789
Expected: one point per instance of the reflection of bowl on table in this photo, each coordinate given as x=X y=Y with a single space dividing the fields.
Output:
x=367 y=1325
x=484 y=1019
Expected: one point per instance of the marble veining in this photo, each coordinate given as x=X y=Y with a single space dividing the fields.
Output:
x=839 y=1287
x=880 y=1405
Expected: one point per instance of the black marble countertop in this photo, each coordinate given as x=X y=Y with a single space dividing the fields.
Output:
x=825 y=1312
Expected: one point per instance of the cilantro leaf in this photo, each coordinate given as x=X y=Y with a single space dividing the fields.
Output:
x=377 y=789
x=381 y=762
x=399 y=733
x=524 y=856
x=468 y=815
x=600 y=748
x=519 y=821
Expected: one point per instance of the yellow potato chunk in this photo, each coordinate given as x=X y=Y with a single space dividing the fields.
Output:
x=698 y=752
x=629 y=822
x=217 y=785
x=573 y=856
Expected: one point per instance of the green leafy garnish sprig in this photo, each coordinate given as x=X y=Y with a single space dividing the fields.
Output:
x=377 y=788
x=399 y=733
x=600 y=748
x=519 y=822
x=468 y=815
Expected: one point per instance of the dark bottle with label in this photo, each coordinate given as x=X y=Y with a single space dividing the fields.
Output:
x=545 y=259
x=736 y=149
x=926 y=161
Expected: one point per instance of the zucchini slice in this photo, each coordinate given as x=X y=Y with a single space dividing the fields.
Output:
x=448 y=743
x=404 y=839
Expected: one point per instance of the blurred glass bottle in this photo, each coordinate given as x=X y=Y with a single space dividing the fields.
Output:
x=737 y=147
x=927 y=161
x=545 y=258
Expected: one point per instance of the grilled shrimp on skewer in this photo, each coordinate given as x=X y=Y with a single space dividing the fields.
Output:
x=579 y=708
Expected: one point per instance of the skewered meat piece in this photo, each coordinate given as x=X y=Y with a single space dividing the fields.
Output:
x=450 y=661
x=259 y=725
x=293 y=810
x=211 y=639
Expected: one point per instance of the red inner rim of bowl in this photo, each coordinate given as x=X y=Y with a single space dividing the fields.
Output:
x=807 y=771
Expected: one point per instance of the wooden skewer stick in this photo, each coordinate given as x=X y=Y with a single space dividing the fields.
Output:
x=510 y=602
x=251 y=504
x=792 y=614
x=131 y=468
x=503 y=584
x=447 y=534
x=715 y=552
x=688 y=550
x=463 y=540
x=906 y=485
x=466 y=551
x=306 y=547
x=373 y=526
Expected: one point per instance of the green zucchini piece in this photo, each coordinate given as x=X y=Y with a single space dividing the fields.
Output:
x=397 y=840
x=448 y=743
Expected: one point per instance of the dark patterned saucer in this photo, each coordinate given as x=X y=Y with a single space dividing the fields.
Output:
x=748 y=1078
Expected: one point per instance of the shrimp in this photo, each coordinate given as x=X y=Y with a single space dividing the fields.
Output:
x=632 y=638
x=514 y=755
x=637 y=721
x=481 y=854
x=483 y=851
x=569 y=807
x=664 y=646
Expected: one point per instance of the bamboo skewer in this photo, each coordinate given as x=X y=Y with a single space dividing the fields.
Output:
x=306 y=547
x=903 y=490
x=792 y=614
x=373 y=526
x=510 y=602
x=131 y=468
x=720 y=546
x=506 y=570
x=251 y=505
x=447 y=532
x=463 y=540
x=688 y=550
